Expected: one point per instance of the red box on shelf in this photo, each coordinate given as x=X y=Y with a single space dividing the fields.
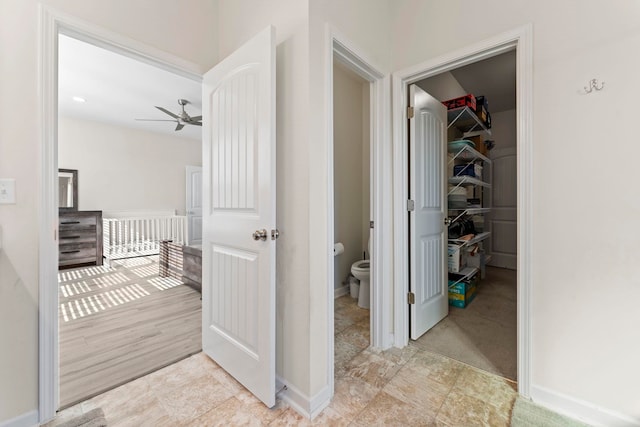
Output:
x=463 y=101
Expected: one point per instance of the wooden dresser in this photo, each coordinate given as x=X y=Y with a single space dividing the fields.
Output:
x=80 y=238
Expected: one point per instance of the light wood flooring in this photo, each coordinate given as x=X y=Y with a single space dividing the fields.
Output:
x=121 y=322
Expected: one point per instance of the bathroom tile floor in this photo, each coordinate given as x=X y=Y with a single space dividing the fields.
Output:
x=408 y=387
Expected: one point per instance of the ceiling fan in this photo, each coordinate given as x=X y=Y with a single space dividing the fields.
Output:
x=181 y=118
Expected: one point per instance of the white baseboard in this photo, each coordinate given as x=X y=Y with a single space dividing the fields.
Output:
x=30 y=419
x=300 y=402
x=342 y=290
x=579 y=409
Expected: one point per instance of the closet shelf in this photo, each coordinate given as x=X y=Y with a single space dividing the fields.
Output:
x=465 y=273
x=468 y=211
x=466 y=181
x=478 y=238
x=466 y=120
x=469 y=154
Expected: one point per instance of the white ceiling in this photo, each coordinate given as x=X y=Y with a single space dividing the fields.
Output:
x=119 y=89
x=495 y=78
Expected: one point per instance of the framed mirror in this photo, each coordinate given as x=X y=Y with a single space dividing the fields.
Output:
x=68 y=189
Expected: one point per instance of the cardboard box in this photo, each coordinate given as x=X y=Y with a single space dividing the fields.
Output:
x=456 y=258
x=478 y=140
x=464 y=101
x=462 y=293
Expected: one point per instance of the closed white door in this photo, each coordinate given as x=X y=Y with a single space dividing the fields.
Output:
x=239 y=216
x=427 y=232
x=194 y=204
x=504 y=212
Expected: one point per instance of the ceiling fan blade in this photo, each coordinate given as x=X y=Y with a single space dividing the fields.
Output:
x=196 y=124
x=196 y=118
x=164 y=110
x=180 y=126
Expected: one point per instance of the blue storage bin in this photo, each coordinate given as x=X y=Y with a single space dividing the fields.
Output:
x=468 y=169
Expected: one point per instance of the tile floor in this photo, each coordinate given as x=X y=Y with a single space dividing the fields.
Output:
x=408 y=387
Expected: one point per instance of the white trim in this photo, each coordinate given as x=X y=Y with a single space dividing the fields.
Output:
x=341 y=291
x=579 y=409
x=29 y=419
x=521 y=40
x=380 y=176
x=306 y=406
x=52 y=23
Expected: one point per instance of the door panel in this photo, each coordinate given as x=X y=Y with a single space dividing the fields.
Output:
x=194 y=204
x=503 y=217
x=427 y=234
x=238 y=288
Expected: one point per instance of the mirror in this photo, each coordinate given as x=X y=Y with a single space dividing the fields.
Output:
x=68 y=189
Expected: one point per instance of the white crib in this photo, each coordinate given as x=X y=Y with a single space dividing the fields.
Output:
x=132 y=234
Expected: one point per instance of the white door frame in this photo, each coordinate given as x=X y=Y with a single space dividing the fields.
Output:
x=52 y=23
x=339 y=47
x=519 y=39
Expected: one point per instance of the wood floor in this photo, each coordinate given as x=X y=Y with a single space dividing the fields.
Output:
x=121 y=322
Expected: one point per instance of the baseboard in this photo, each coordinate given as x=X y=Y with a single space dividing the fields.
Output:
x=342 y=290
x=300 y=402
x=30 y=419
x=579 y=409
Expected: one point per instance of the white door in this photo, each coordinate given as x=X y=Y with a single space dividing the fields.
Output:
x=239 y=199
x=427 y=232
x=194 y=204
x=504 y=212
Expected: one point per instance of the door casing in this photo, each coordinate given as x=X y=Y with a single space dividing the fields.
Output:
x=52 y=23
x=520 y=40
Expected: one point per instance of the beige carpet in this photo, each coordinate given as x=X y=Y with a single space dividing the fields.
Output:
x=484 y=334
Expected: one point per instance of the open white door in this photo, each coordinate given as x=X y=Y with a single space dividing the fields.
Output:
x=239 y=215
x=194 y=204
x=427 y=232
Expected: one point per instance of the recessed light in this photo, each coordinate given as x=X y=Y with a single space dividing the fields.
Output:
x=79 y=99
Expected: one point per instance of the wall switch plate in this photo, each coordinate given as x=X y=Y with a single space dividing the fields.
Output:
x=7 y=191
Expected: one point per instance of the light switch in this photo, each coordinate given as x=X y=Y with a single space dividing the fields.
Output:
x=7 y=191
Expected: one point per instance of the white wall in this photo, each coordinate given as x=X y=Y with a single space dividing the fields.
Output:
x=585 y=286
x=349 y=169
x=504 y=129
x=442 y=87
x=156 y=23
x=124 y=169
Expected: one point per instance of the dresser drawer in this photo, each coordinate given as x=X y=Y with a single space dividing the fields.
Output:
x=77 y=251
x=69 y=222
x=77 y=236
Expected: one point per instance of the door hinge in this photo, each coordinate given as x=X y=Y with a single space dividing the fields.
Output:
x=411 y=205
x=370 y=224
x=411 y=297
x=410 y=112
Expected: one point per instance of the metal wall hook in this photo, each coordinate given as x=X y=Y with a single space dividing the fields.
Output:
x=593 y=84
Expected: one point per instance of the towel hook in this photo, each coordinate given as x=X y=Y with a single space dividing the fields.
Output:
x=593 y=84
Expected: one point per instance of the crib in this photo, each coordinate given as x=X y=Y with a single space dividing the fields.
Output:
x=133 y=234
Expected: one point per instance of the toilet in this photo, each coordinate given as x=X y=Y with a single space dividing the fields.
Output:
x=360 y=270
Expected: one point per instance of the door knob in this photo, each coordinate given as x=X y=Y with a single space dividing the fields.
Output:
x=260 y=235
x=447 y=221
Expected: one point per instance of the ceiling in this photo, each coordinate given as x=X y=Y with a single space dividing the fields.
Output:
x=119 y=89
x=495 y=78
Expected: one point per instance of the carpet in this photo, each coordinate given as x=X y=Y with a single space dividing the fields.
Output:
x=528 y=414
x=93 y=418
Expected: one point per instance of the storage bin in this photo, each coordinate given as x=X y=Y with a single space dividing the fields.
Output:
x=457 y=199
x=464 y=101
x=462 y=293
x=455 y=146
x=466 y=169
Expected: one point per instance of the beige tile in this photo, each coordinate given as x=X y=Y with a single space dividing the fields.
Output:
x=330 y=418
x=356 y=335
x=372 y=368
x=351 y=396
x=435 y=367
x=193 y=400
x=489 y=388
x=397 y=355
x=343 y=354
x=386 y=410
x=257 y=408
x=341 y=321
x=230 y=412
x=460 y=409
x=290 y=418
x=417 y=389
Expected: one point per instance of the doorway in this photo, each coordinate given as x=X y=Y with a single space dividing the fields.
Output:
x=480 y=326
x=520 y=40
x=53 y=26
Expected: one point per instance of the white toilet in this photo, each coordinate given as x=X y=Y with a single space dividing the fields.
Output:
x=360 y=270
